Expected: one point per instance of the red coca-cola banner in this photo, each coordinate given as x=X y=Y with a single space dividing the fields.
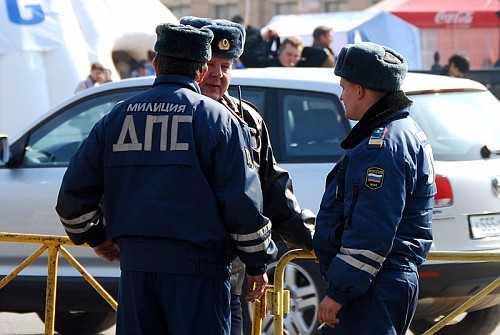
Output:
x=450 y=19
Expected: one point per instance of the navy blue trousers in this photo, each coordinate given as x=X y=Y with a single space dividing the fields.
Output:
x=236 y=315
x=169 y=304
x=172 y=288
x=387 y=308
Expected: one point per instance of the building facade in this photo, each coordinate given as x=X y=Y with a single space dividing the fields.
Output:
x=258 y=12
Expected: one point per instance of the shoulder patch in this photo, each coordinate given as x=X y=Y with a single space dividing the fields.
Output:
x=249 y=158
x=374 y=178
x=377 y=137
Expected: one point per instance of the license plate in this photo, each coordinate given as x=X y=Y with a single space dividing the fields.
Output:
x=484 y=225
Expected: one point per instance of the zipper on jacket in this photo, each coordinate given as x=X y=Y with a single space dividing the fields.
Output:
x=353 y=204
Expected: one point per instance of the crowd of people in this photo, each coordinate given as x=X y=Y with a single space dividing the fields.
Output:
x=268 y=50
x=186 y=197
x=458 y=65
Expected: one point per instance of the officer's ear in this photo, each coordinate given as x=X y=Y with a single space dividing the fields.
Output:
x=154 y=61
x=204 y=70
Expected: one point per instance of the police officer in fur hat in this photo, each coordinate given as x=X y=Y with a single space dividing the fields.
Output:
x=294 y=224
x=181 y=197
x=374 y=224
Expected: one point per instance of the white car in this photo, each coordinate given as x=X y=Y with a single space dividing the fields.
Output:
x=306 y=121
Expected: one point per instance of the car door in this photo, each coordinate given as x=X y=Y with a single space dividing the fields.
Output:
x=30 y=182
x=306 y=129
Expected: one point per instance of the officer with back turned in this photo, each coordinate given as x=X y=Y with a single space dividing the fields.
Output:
x=165 y=183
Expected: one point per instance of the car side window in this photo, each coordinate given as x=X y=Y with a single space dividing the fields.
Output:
x=314 y=124
x=57 y=139
x=254 y=95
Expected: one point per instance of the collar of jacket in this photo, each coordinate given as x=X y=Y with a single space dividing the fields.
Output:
x=178 y=81
x=390 y=107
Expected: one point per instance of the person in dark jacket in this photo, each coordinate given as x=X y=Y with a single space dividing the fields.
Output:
x=374 y=224
x=258 y=48
x=458 y=65
x=293 y=224
x=320 y=54
x=168 y=176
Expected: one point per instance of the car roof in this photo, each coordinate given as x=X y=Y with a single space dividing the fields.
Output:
x=314 y=79
x=322 y=79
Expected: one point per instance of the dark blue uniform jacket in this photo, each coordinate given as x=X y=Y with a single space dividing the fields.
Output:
x=377 y=207
x=172 y=164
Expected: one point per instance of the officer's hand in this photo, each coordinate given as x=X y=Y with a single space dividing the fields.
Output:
x=327 y=313
x=256 y=286
x=108 y=251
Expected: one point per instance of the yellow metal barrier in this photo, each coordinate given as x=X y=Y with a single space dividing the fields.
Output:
x=54 y=245
x=277 y=300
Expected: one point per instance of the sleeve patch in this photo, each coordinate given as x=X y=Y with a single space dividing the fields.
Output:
x=377 y=137
x=374 y=178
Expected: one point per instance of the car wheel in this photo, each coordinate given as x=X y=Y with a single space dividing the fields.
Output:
x=482 y=322
x=79 y=323
x=307 y=288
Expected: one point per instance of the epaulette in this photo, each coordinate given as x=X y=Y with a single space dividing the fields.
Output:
x=377 y=137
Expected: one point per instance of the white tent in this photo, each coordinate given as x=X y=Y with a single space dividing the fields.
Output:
x=350 y=27
x=47 y=46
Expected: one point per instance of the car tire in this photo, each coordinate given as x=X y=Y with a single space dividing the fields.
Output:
x=307 y=288
x=482 y=322
x=80 y=323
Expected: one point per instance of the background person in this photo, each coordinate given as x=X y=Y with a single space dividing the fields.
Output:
x=142 y=161
x=320 y=53
x=458 y=65
x=437 y=67
x=295 y=225
x=289 y=52
x=374 y=223
x=258 y=48
x=96 y=70
x=104 y=77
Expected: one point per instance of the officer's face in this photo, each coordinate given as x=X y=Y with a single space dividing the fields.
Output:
x=351 y=94
x=217 y=79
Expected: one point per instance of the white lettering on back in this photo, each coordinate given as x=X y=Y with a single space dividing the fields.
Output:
x=156 y=107
x=127 y=128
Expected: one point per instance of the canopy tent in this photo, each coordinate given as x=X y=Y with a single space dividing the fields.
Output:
x=46 y=48
x=449 y=26
x=444 y=13
x=350 y=27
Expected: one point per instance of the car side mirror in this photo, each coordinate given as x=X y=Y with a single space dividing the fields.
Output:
x=4 y=149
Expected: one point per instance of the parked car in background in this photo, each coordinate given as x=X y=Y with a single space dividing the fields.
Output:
x=306 y=121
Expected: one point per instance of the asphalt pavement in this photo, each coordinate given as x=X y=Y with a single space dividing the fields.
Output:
x=30 y=324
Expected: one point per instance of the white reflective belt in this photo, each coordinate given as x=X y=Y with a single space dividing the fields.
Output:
x=346 y=256
x=363 y=252
x=252 y=236
x=80 y=230
x=256 y=248
x=81 y=219
x=358 y=264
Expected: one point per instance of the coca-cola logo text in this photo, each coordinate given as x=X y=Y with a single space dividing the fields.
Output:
x=460 y=18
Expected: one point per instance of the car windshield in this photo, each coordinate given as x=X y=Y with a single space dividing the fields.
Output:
x=458 y=124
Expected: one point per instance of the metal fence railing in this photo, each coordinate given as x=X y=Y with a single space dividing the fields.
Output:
x=55 y=246
x=277 y=300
